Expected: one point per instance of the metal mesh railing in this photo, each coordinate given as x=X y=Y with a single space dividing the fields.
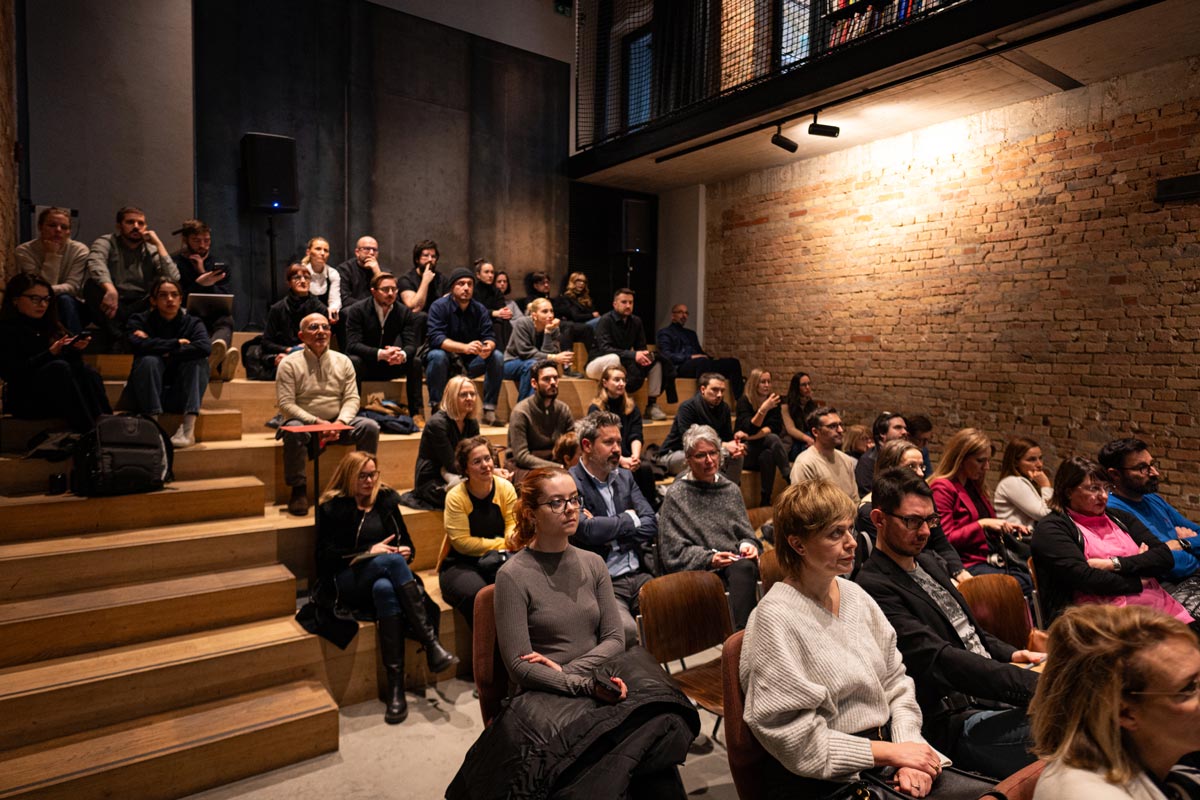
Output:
x=641 y=62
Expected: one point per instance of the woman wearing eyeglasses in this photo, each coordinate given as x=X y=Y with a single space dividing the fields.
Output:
x=480 y=515
x=560 y=635
x=363 y=552
x=1085 y=552
x=282 y=333
x=44 y=376
x=704 y=524
x=1118 y=706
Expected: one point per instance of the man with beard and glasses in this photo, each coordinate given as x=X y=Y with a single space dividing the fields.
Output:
x=1135 y=476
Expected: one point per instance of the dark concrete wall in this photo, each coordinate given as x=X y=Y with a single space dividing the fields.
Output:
x=405 y=129
x=8 y=136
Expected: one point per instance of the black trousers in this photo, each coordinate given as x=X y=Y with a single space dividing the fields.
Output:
x=65 y=388
x=766 y=455
x=460 y=583
x=741 y=580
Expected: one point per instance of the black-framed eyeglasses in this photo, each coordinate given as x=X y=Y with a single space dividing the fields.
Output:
x=913 y=522
x=317 y=326
x=833 y=426
x=1143 y=469
x=38 y=299
x=368 y=476
x=1192 y=690
x=559 y=504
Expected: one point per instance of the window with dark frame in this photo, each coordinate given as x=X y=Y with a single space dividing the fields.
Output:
x=636 y=68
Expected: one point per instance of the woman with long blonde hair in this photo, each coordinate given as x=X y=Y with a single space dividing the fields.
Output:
x=759 y=416
x=987 y=544
x=578 y=314
x=364 y=552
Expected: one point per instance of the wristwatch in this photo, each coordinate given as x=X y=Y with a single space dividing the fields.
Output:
x=1116 y=562
x=1186 y=545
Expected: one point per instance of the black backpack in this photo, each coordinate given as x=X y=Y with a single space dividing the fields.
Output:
x=122 y=455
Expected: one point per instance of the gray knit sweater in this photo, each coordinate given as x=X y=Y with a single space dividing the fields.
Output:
x=699 y=517
x=533 y=430
x=560 y=605
x=813 y=679
x=524 y=343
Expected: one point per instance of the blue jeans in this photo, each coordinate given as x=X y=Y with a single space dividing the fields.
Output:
x=437 y=374
x=159 y=384
x=384 y=575
x=519 y=372
x=70 y=312
x=995 y=742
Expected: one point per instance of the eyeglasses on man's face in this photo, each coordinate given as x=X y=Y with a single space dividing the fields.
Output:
x=317 y=326
x=914 y=522
x=559 y=504
x=1142 y=469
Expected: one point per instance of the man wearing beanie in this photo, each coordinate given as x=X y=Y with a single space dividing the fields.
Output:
x=461 y=340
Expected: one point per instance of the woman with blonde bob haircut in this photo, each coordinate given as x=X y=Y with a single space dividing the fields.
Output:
x=457 y=418
x=1117 y=706
x=968 y=518
x=562 y=640
x=826 y=690
x=364 y=552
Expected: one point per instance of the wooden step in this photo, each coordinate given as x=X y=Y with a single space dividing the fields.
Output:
x=16 y=434
x=42 y=515
x=212 y=424
x=177 y=753
x=49 y=699
x=111 y=366
x=51 y=627
x=752 y=487
x=41 y=567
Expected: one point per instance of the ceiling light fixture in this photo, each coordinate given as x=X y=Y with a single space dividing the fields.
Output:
x=817 y=129
x=779 y=140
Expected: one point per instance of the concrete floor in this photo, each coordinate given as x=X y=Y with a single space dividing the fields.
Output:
x=419 y=758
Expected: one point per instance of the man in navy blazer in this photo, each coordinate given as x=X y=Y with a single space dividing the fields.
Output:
x=381 y=339
x=971 y=686
x=615 y=520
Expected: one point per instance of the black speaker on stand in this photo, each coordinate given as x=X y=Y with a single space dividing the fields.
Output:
x=270 y=184
x=635 y=232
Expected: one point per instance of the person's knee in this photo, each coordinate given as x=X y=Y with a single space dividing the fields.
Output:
x=383 y=593
x=144 y=366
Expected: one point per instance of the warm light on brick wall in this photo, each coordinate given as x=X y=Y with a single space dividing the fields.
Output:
x=1008 y=271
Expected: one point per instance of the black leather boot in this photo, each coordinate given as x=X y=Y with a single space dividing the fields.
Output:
x=391 y=651
x=411 y=600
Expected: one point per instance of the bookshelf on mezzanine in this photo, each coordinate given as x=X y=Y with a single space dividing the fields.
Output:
x=847 y=20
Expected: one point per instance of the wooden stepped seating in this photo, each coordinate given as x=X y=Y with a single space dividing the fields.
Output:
x=49 y=699
x=213 y=425
x=752 y=487
x=179 y=752
x=43 y=515
x=111 y=366
x=65 y=624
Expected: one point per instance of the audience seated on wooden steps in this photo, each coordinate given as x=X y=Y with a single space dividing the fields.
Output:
x=705 y=526
x=203 y=275
x=681 y=346
x=313 y=385
x=41 y=362
x=579 y=317
x=381 y=339
x=706 y=407
x=60 y=260
x=263 y=354
x=436 y=471
x=363 y=557
x=170 y=361
x=535 y=423
x=534 y=338
x=760 y=418
x=621 y=339
x=495 y=302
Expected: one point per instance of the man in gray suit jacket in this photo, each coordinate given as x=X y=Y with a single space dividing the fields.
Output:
x=615 y=521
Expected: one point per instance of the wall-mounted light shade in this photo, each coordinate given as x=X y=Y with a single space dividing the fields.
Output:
x=817 y=129
x=779 y=140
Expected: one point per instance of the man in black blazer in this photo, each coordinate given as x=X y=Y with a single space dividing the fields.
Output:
x=972 y=687
x=615 y=520
x=381 y=340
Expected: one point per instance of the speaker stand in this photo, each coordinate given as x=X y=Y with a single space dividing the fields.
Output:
x=629 y=270
x=271 y=251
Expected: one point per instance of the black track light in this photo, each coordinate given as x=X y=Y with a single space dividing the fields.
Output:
x=779 y=140
x=817 y=129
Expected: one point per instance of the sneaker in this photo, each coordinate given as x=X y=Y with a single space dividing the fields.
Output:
x=183 y=439
x=216 y=358
x=655 y=413
x=298 y=505
x=229 y=364
x=489 y=416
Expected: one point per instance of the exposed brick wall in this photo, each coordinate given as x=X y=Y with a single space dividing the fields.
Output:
x=1008 y=271
x=8 y=135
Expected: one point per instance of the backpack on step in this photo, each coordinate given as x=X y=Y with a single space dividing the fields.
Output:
x=122 y=455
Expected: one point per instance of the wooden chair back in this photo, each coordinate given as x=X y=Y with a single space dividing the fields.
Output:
x=769 y=571
x=747 y=757
x=491 y=676
x=999 y=607
x=1018 y=786
x=683 y=613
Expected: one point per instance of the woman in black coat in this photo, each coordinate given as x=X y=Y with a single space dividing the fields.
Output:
x=1085 y=552
x=44 y=376
x=437 y=468
x=363 y=550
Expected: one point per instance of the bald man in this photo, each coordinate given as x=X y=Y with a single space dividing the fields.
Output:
x=314 y=385
x=681 y=347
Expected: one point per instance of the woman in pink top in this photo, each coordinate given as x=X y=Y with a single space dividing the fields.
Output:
x=1085 y=552
x=986 y=544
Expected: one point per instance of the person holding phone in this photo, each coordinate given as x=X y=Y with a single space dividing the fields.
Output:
x=364 y=551
x=201 y=273
x=760 y=417
x=44 y=376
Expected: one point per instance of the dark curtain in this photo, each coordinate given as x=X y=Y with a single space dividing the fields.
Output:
x=686 y=45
